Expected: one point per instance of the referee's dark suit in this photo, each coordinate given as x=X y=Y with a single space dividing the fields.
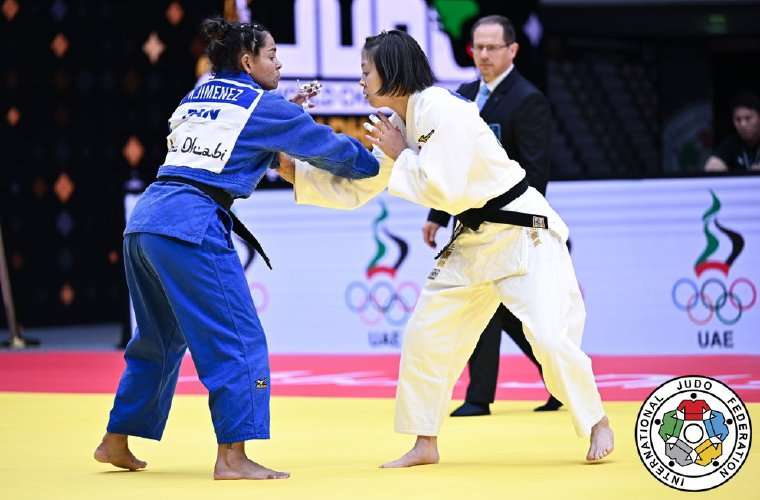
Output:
x=519 y=115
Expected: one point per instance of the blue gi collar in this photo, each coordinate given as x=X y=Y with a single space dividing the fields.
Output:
x=238 y=76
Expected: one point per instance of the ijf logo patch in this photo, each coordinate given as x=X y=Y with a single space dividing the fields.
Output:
x=693 y=433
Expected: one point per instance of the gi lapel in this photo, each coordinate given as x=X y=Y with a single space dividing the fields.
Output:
x=411 y=126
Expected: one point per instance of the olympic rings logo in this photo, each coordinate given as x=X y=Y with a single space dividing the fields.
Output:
x=701 y=303
x=382 y=300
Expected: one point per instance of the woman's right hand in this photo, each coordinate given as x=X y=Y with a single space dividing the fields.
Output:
x=306 y=92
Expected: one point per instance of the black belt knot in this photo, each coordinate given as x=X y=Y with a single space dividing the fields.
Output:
x=224 y=199
x=492 y=212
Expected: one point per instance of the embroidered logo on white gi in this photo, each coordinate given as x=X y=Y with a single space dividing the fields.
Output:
x=424 y=138
x=693 y=433
x=445 y=255
x=534 y=236
x=539 y=221
x=434 y=273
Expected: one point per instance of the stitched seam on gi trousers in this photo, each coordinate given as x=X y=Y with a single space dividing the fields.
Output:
x=237 y=333
x=152 y=270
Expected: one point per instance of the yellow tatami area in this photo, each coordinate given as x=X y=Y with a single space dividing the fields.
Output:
x=332 y=448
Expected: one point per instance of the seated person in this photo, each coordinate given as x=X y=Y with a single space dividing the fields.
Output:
x=740 y=152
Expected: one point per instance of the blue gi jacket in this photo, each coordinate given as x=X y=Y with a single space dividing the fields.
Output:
x=226 y=133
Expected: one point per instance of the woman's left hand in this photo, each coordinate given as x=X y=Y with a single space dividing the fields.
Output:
x=387 y=137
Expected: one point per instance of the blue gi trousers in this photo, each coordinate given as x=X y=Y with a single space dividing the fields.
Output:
x=192 y=296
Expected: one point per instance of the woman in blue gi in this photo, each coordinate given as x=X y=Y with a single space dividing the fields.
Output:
x=509 y=247
x=185 y=279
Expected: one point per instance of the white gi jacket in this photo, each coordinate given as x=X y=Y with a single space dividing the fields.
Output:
x=453 y=163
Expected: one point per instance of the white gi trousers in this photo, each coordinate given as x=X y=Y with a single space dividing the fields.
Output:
x=442 y=333
x=454 y=162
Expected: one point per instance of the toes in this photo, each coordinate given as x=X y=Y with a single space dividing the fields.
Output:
x=597 y=454
x=135 y=464
x=391 y=465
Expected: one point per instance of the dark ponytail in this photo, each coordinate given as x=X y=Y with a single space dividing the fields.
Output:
x=228 y=39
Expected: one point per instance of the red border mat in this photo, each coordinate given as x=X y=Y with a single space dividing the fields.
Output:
x=620 y=378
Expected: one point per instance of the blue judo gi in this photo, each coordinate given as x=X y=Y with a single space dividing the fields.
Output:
x=185 y=280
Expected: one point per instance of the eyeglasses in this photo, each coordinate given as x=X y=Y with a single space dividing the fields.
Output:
x=490 y=48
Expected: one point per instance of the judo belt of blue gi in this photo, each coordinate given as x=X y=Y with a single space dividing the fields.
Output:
x=491 y=212
x=224 y=199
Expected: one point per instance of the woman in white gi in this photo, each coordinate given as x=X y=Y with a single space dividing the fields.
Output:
x=436 y=151
x=185 y=279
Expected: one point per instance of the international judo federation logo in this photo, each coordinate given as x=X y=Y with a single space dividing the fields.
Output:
x=693 y=433
x=380 y=297
x=726 y=300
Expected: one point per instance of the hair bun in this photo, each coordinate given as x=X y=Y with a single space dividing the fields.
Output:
x=215 y=29
x=226 y=41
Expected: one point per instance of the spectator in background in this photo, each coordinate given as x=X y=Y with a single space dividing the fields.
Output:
x=740 y=152
x=519 y=115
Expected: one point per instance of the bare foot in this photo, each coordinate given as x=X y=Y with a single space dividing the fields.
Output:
x=602 y=441
x=114 y=450
x=232 y=463
x=425 y=452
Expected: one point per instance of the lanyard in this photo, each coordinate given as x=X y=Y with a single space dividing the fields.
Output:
x=745 y=157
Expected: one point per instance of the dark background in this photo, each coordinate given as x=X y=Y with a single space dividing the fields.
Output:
x=616 y=75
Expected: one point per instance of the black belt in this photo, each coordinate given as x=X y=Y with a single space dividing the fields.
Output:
x=224 y=199
x=491 y=212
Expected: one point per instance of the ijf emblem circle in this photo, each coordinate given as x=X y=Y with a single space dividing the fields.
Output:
x=693 y=433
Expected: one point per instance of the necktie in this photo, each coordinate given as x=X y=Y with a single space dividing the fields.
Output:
x=482 y=96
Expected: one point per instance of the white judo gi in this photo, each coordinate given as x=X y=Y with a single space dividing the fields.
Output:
x=454 y=163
